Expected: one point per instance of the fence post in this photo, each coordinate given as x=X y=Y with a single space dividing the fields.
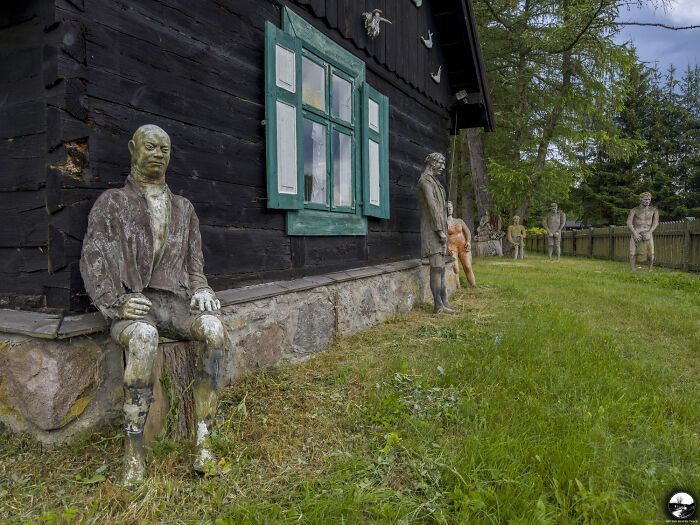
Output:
x=590 y=244
x=612 y=242
x=686 y=245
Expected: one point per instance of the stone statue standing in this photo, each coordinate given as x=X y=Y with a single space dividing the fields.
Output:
x=642 y=221
x=143 y=268
x=459 y=245
x=433 y=228
x=516 y=236
x=554 y=222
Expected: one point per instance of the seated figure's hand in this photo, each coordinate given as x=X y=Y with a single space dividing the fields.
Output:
x=135 y=307
x=205 y=300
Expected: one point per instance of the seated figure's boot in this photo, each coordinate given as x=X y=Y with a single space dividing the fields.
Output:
x=134 y=460
x=205 y=401
x=447 y=306
x=137 y=401
x=204 y=459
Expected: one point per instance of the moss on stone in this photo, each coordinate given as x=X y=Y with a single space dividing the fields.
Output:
x=77 y=408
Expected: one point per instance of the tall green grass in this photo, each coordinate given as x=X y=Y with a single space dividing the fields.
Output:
x=562 y=393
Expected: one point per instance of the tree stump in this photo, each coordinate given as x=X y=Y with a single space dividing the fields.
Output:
x=172 y=409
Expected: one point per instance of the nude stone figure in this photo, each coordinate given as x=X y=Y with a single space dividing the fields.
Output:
x=554 y=222
x=143 y=268
x=642 y=221
x=433 y=228
x=459 y=245
x=516 y=236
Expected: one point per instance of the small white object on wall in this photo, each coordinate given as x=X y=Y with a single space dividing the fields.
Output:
x=418 y=3
x=429 y=41
x=436 y=76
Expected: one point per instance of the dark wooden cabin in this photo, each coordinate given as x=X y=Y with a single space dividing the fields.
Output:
x=77 y=77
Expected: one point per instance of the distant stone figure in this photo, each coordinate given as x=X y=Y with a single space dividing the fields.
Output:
x=433 y=228
x=143 y=268
x=554 y=222
x=516 y=236
x=459 y=245
x=642 y=221
x=489 y=235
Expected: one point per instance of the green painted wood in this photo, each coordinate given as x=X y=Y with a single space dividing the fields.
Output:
x=273 y=93
x=296 y=26
x=382 y=138
x=318 y=222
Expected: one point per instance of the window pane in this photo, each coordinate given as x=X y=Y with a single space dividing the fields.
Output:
x=342 y=99
x=313 y=84
x=373 y=115
x=342 y=169
x=286 y=148
x=314 y=162
x=373 y=173
x=285 y=71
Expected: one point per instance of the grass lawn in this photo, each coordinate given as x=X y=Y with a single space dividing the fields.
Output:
x=563 y=393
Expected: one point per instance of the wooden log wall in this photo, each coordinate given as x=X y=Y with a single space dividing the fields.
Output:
x=27 y=80
x=676 y=244
x=85 y=75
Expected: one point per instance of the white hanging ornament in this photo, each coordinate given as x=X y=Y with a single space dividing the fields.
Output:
x=429 y=42
x=436 y=76
x=418 y=3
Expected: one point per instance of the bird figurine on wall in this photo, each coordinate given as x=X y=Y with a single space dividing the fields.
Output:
x=372 y=22
x=436 y=76
x=429 y=41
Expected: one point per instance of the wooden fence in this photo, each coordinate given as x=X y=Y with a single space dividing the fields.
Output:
x=676 y=244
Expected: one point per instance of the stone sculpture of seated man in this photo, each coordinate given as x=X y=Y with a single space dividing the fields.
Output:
x=143 y=268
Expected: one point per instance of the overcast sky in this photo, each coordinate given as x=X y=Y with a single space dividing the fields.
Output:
x=664 y=46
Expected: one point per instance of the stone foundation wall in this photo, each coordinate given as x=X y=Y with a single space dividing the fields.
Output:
x=57 y=385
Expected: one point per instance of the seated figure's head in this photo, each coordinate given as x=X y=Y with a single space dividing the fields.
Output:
x=645 y=198
x=150 y=151
x=436 y=162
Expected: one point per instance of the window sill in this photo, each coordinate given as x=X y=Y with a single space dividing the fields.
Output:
x=317 y=222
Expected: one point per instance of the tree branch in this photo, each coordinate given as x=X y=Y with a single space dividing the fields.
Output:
x=650 y=24
x=583 y=30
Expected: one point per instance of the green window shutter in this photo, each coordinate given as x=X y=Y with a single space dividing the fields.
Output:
x=375 y=153
x=283 y=120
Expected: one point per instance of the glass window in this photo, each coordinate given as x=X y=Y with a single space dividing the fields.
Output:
x=326 y=134
x=342 y=99
x=313 y=84
x=314 y=162
x=342 y=169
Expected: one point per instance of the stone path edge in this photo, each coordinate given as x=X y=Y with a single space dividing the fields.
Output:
x=55 y=326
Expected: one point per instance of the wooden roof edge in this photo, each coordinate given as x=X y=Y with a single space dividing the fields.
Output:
x=464 y=11
x=476 y=48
